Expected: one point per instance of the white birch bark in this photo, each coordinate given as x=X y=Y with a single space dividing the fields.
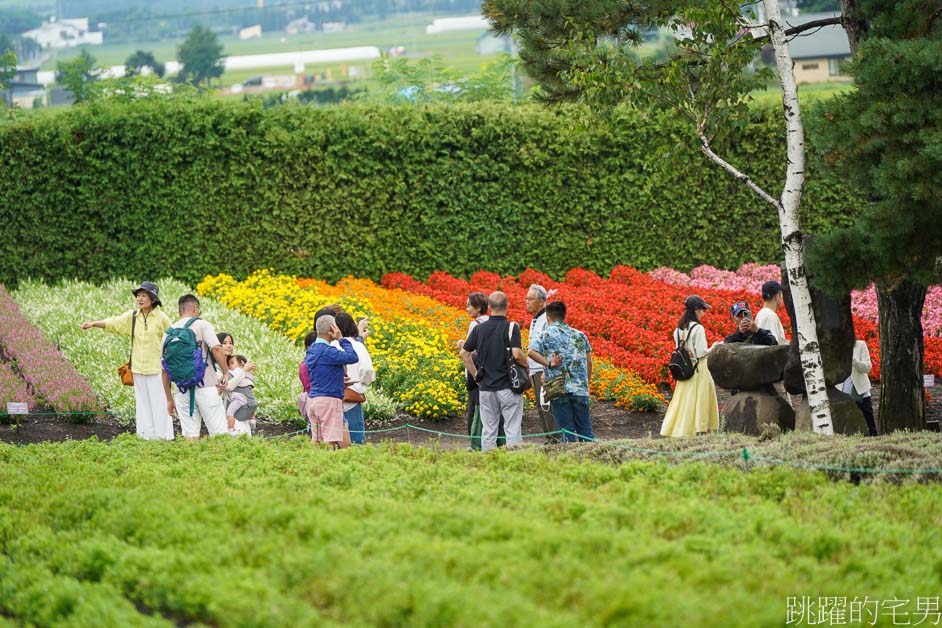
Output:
x=791 y=230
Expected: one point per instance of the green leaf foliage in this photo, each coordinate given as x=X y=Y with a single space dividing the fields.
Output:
x=77 y=74
x=885 y=136
x=246 y=532
x=190 y=187
x=202 y=57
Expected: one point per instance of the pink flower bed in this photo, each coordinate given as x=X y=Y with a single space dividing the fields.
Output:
x=750 y=278
x=13 y=388
x=41 y=366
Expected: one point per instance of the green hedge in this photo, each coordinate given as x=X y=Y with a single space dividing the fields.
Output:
x=187 y=188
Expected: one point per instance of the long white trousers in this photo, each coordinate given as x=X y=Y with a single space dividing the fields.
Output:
x=153 y=422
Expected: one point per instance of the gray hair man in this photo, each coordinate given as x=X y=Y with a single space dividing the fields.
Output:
x=536 y=306
x=491 y=372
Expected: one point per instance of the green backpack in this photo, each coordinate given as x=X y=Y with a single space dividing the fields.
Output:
x=182 y=359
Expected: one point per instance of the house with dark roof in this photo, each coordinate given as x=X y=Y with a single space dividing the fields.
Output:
x=819 y=54
x=24 y=88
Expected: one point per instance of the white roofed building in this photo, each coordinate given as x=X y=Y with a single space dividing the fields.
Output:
x=65 y=33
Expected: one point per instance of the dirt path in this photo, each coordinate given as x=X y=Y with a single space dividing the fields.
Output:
x=608 y=422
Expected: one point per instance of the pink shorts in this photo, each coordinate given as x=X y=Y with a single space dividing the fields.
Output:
x=326 y=416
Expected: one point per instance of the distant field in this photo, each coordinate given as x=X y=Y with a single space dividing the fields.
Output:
x=458 y=48
x=807 y=92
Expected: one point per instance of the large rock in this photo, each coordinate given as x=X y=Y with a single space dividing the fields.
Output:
x=835 y=335
x=845 y=414
x=738 y=366
x=750 y=412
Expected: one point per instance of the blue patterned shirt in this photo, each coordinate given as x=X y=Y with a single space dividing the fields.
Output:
x=573 y=346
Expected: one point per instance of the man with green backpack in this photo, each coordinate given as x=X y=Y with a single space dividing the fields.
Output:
x=190 y=349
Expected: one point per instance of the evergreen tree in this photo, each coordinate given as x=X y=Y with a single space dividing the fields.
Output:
x=7 y=71
x=886 y=137
x=143 y=59
x=201 y=55
x=77 y=74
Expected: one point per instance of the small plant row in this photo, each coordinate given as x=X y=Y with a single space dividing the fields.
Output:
x=60 y=309
x=48 y=379
x=252 y=532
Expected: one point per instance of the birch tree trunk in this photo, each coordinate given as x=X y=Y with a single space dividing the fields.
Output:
x=791 y=229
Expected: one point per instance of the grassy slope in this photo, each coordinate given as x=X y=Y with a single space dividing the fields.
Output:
x=257 y=532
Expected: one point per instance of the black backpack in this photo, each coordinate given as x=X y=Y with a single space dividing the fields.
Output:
x=681 y=366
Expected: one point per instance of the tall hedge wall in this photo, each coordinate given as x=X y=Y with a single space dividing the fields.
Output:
x=189 y=188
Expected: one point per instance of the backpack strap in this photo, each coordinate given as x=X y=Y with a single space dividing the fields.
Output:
x=690 y=327
x=193 y=388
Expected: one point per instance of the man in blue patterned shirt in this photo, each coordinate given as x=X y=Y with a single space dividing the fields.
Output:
x=564 y=351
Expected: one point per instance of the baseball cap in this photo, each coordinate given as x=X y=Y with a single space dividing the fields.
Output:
x=770 y=289
x=693 y=302
x=739 y=307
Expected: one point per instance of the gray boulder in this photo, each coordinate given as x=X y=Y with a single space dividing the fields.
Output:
x=738 y=366
x=751 y=412
x=847 y=417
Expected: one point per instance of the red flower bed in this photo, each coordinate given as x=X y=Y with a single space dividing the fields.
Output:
x=628 y=317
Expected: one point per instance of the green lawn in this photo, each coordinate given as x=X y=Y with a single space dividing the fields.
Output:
x=807 y=92
x=247 y=532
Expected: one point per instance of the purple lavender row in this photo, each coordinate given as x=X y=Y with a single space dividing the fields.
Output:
x=13 y=388
x=40 y=364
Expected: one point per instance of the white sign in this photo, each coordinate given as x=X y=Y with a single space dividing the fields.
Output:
x=17 y=407
x=928 y=381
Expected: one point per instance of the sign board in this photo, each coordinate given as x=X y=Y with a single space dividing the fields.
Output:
x=928 y=381
x=17 y=407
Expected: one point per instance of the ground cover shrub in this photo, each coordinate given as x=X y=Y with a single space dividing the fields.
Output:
x=750 y=277
x=410 y=189
x=52 y=382
x=233 y=532
x=896 y=458
x=59 y=310
x=413 y=338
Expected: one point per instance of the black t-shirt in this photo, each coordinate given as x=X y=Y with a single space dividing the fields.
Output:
x=489 y=339
x=762 y=337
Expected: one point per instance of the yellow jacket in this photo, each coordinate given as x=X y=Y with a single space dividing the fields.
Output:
x=148 y=332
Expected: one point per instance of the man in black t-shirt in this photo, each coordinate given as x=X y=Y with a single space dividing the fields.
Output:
x=490 y=340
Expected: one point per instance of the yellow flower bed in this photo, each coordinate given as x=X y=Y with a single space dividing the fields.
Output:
x=412 y=338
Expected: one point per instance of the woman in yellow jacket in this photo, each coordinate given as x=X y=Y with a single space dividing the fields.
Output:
x=148 y=324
